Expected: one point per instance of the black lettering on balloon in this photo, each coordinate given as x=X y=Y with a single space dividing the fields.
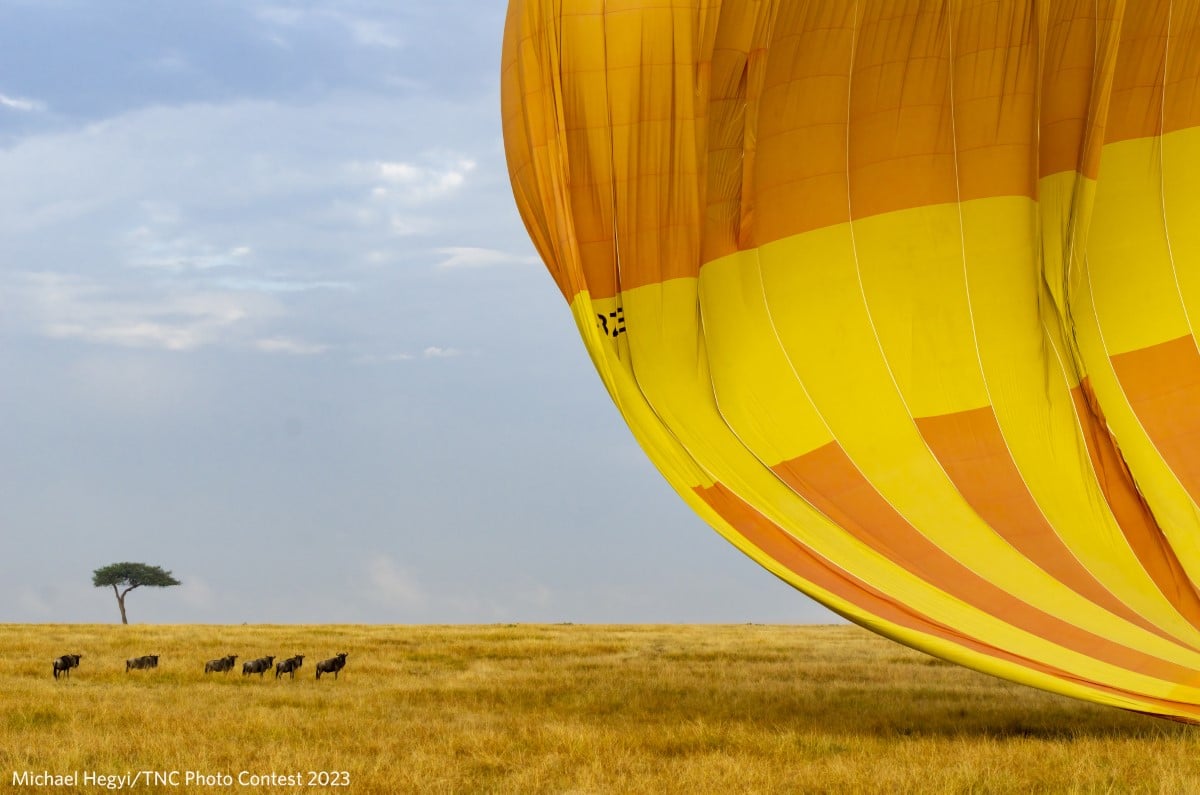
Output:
x=613 y=323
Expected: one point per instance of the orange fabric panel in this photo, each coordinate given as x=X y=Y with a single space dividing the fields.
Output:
x=1182 y=107
x=1136 y=105
x=901 y=148
x=531 y=147
x=972 y=450
x=737 y=71
x=803 y=109
x=632 y=166
x=1156 y=87
x=1081 y=36
x=1162 y=383
x=941 y=104
x=995 y=100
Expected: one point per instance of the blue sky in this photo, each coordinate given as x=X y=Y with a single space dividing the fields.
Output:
x=269 y=319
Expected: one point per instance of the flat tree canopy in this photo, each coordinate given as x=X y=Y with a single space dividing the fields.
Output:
x=124 y=577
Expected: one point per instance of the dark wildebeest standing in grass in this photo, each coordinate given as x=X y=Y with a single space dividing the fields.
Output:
x=332 y=665
x=259 y=666
x=65 y=663
x=222 y=665
x=141 y=663
x=289 y=666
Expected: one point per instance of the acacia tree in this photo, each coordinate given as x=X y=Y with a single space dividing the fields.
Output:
x=124 y=577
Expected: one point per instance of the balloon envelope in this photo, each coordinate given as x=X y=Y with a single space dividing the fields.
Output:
x=900 y=298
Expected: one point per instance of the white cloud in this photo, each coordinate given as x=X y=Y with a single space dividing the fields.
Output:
x=431 y=352
x=173 y=62
x=396 y=172
x=280 y=15
x=434 y=352
x=21 y=104
x=157 y=213
x=392 y=585
x=405 y=226
x=73 y=307
x=137 y=334
x=163 y=243
x=364 y=31
x=472 y=257
x=289 y=346
x=269 y=285
x=383 y=358
x=183 y=254
x=412 y=183
x=180 y=228
x=370 y=32
x=194 y=185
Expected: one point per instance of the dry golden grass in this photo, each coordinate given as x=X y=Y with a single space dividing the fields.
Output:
x=538 y=708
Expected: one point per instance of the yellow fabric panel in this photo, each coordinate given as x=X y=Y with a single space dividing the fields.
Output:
x=757 y=392
x=1128 y=227
x=1180 y=172
x=911 y=272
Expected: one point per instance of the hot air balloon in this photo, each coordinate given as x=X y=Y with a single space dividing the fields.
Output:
x=900 y=298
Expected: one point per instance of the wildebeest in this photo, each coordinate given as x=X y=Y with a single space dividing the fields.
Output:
x=141 y=663
x=65 y=663
x=289 y=666
x=222 y=665
x=332 y=665
x=259 y=666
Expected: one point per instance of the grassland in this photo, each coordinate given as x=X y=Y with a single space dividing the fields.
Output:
x=539 y=708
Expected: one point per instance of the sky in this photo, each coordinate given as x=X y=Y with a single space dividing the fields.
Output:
x=269 y=319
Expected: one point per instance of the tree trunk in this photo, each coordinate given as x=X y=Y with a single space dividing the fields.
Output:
x=121 y=604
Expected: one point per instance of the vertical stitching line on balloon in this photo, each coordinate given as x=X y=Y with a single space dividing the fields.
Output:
x=1162 y=186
